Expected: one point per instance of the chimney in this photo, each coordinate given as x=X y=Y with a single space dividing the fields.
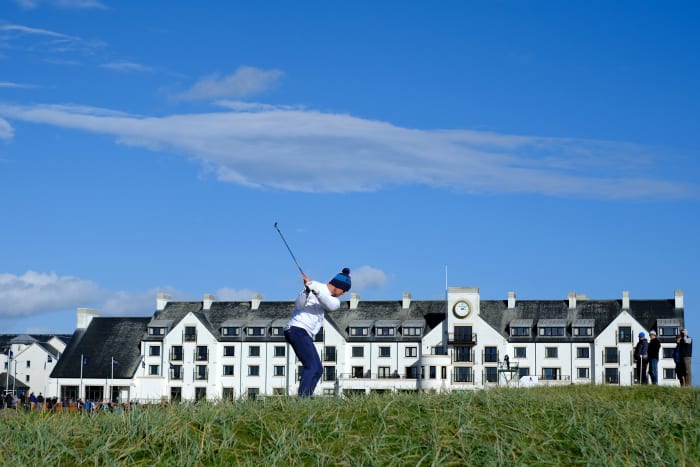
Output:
x=679 y=298
x=161 y=301
x=208 y=300
x=625 y=300
x=406 y=300
x=511 y=300
x=354 y=300
x=255 y=302
x=572 y=300
x=85 y=315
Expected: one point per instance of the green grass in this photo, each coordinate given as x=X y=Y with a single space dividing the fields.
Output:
x=573 y=425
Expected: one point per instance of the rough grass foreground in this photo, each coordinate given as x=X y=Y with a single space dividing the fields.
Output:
x=575 y=425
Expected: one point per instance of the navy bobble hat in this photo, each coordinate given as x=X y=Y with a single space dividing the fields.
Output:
x=342 y=280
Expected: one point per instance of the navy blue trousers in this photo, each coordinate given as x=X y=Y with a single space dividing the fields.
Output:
x=306 y=352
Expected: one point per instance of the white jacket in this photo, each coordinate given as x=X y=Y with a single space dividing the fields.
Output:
x=310 y=308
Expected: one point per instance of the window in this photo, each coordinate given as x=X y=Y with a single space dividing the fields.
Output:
x=329 y=354
x=253 y=393
x=520 y=352
x=411 y=372
x=385 y=352
x=554 y=331
x=520 y=331
x=668 y=331
x=255 y=331
x=491 y=374
x=411 y=351
x=200 y=394
x=278 y=331
x=462 y=353
x=385 y=331
x=463 y=374
x=463 y=333
x=443 y=372
x=190 y=333
x=523 y=371
x=582 y=331
x=202 y=353
x=280 y=351
x=583 y=352
x=175 y=371
x=227 y=393
x=583 y=373
x=412 y=331
x=490 y=354
x=667 y=352
x=154 y=350
x=358 y=372
x=229 y=351
x=27 y=378
x=611 y=355
x=550 y=374
x=29 y=364
x=358 y=331
x=156 y=331
x=358 y=352
x=384 y=372
x=175 y=394
x=329 y=373
x=230 y=331
x=253 y=370
x=176 y=353
x=433 y=372
x=228 y=370
x=48 y=359
x=669 y=373
x=551 y=352
x=624 y=334
x=153 y=370
x=254 y=351
x=201 y=372
x=611 y=376
x=278 y=370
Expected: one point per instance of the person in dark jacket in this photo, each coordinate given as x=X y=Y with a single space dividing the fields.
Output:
x=641 y=359
x=653 y=353
x=680 y=362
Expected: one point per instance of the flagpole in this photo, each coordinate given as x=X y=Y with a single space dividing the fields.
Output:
x=9 y=365
x=82 y=361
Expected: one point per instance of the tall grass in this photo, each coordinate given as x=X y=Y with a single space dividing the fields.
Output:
x=574 y=425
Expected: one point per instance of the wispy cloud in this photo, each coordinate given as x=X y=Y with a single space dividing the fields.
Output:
x=11 y=85
x=264 y=149
x=246 y=81
x=368 y=277
x=30 y=38
x=6 y=130
x=126 y=66
x=72 y=4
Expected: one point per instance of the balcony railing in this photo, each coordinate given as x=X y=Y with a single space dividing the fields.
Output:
x=462 y=338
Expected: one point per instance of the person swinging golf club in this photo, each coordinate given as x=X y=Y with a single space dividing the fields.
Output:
x=309 y=312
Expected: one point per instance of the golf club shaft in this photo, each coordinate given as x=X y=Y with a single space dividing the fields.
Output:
x=289 y=249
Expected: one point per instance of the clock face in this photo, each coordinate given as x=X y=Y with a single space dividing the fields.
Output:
x=461 y=309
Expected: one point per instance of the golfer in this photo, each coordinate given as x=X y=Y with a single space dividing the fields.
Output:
x=309 y=312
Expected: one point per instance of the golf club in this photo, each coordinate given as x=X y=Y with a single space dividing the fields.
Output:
x=290 y=250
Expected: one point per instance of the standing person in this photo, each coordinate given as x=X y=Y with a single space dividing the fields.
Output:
x=641 y=358
x=686 y=354
x=309 y=312
x=654 y=347
x=680 y=363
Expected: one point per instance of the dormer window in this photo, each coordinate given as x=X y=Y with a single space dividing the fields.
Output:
x=385 y=331
x=230 y=331
x=551 y=328
x=156 y=331
x=255 y=331
x=521 y=328
x=668 y=327
x=583 y=327
x=360 y=327
x=359 y=331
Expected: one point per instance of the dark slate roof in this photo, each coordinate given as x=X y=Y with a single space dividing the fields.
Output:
x=602 y=312
x=103 y=339
x=11 y=381
x=50 y=349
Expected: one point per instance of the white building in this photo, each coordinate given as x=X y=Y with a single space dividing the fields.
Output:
x=28 y=360
x=211 y=349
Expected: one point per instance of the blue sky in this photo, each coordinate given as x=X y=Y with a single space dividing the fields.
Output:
x=536 y=147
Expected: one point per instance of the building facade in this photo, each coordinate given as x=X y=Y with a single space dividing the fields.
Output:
x=28 y=360
x=214 y=349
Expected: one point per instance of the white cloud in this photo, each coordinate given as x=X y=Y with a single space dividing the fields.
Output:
x=35 y=292
x=367 y=277
x=291 y=149
x=6 y=130
x=73 y=4
x=11 y=85
x=246 y=81
x=125 y=66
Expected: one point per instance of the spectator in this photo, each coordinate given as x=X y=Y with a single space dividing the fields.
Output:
x=641 y=359
x=680 y=363
x=654 y=347
x=686 y=354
